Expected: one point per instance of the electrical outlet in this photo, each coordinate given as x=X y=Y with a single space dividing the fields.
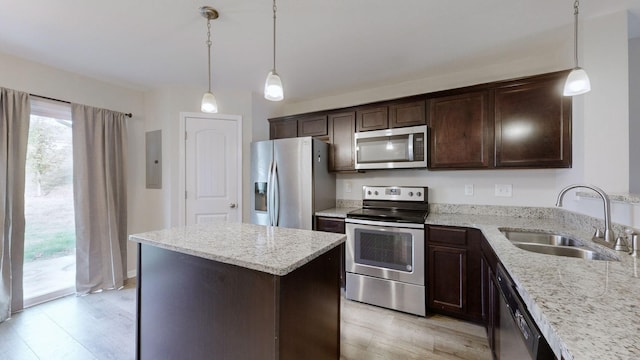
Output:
x=504 y=190
x=468 y=189
x=348 y=186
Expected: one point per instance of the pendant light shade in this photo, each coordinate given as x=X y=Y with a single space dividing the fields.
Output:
x=273 y=89
x=209 y=104
x=578 y=81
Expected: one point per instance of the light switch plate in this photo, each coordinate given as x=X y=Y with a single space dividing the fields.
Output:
x=504 y=190
x=348 y=186
x=468 y=189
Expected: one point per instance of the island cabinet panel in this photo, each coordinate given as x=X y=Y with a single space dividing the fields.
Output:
x=342 y=150
x=194 y=308
x=533 y=123
x=372 y=118
x=283 y=128
x=312 y=126
x=407 y=114
x=461 y=131
x=454 y=266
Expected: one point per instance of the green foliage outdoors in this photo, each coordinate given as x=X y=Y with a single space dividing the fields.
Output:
x=50 y=246
x=49 y=213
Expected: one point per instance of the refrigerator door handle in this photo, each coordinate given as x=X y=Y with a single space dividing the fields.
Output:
x=269 y=193
x=276 y=195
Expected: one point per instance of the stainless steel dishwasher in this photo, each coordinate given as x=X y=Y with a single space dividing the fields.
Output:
x=518 y=336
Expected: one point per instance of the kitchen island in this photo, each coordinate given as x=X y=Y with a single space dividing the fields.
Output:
x=238 y=291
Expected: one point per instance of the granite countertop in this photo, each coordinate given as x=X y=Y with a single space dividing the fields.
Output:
x=586 y=309
x=274 y=250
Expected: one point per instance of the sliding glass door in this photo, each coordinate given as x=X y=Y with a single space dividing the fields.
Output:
x=49 y=255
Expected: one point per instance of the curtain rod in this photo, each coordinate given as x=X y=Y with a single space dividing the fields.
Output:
x=69 y=102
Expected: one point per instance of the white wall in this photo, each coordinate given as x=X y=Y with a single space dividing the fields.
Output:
x=634 y=115
x=31 y=77
x=163 y=108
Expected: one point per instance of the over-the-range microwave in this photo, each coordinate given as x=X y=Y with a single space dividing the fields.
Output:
x=397 y=148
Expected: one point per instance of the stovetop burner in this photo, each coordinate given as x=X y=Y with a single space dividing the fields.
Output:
x=393 y=204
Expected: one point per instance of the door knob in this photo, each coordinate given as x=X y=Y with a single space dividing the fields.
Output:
x=232 y=205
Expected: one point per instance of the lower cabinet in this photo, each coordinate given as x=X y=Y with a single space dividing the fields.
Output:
x=454 y=263
x=334 y=225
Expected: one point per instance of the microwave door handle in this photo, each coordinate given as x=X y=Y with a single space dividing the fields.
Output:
x=410 y=147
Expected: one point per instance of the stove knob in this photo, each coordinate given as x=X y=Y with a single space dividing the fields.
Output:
x=419 y=194
x=410 y=193
x=369 y=192
x=376 y=192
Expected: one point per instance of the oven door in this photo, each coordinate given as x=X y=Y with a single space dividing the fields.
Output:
x=386 y=250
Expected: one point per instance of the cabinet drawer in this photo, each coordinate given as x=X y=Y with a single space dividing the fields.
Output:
x=447 y=235
x=328 y=224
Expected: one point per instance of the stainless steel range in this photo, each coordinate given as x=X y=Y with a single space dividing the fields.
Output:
x=385 y=252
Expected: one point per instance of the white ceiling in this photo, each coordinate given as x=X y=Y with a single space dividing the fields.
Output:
x=324 y=47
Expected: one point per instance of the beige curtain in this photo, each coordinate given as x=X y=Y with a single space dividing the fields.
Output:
x=100 y=198
x=14 y=132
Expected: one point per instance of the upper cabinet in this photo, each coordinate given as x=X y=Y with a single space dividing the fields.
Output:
x=342 y=150
x=523 y=123
x=313 y=126
x=407 y=114
x=400 y=113
x=519 y=123
x=461 y=131
x=533 y=123
x=283 y=128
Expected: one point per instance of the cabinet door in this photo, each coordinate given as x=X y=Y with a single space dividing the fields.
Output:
x=281 y=129
x=312 y=126
x=533 y=124
x=407 y=114
x=461 y=131
x=341 y=130
x=334 y=225
x=376 y=118
x=447 y=284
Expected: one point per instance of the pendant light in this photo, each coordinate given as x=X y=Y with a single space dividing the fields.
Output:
x=273 y=86
x=209 y=104
x=578 y=81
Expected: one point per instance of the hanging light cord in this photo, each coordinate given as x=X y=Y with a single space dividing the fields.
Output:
x=576 y=4
x=274 y=36
x=209 y=49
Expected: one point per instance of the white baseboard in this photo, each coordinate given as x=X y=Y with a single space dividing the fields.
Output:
x=131 y=274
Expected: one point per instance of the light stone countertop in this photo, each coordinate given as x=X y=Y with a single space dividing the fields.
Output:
x=274 y=250
x=586 y=309
x=336 y=212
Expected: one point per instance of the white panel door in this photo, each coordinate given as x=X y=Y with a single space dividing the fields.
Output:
x=212 y=165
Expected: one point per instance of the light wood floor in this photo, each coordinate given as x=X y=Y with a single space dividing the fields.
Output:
x=102 y=326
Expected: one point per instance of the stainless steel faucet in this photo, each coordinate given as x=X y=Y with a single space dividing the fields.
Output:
x=608 y=236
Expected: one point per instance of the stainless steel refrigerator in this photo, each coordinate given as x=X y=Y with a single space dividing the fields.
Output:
x=290 y=181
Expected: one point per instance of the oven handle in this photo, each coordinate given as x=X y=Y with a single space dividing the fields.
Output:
x=385 y=223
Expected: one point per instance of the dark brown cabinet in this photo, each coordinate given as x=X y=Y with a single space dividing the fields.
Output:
x=334 y=225
x=533 y=123
x=407 y=114
x=283 y=128
x=341 y=130
x=372 y=118
x=454 y=263
x=461 y=131
x=313 y=126
x=391 y=115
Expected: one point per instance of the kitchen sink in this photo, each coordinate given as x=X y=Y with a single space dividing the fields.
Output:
x=540 y=238
x=569 y=251
x=552 y=244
